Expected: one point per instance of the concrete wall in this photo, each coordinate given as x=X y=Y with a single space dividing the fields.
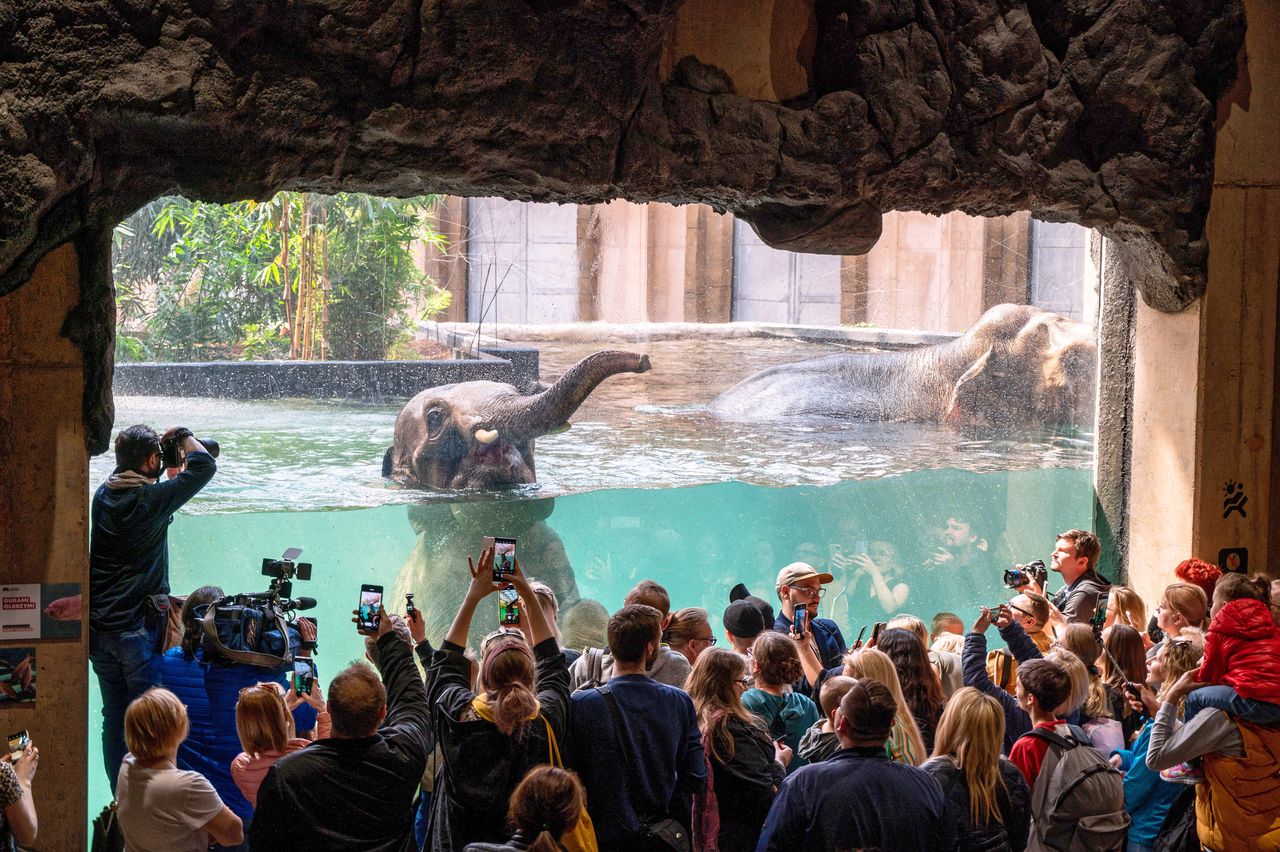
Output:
x=44 y=527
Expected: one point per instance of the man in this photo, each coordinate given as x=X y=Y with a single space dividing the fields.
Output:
x=1031 y=612
x=129 y=570
x=1075 y=554
x=799 y=586
x=742 y=624
x=961 y=547
x=355 y=790
x=595 y=666
x=858 y=798
x=644 y=765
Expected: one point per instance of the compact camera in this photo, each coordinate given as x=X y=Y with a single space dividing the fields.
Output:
x=1021 y=575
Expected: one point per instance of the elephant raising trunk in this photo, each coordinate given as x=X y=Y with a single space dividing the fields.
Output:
x=480 y=434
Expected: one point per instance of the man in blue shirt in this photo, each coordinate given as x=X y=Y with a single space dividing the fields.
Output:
x=644 y=767
x=858 y=798
x=129 y=571
x=799 y=586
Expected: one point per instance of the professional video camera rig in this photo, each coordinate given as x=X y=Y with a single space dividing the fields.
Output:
x=255 y=628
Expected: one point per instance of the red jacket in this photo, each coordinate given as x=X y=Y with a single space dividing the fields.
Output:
x=1242 y=650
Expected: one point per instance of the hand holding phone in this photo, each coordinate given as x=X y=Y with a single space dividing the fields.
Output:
x=504 y=557
x=509 y=607
x=18 y=743
x=368 y=613
x=302 y=683
x=799 y=622
x=875 y=633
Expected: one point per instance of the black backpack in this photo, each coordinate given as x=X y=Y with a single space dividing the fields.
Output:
x=1077 y=804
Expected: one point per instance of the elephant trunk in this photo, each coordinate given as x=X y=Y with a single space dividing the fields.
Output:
x=551 y=409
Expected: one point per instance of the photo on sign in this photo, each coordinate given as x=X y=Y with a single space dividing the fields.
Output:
x=17 y=675
x=60 y=614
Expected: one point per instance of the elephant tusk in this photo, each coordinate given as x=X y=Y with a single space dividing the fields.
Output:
x=486 y=436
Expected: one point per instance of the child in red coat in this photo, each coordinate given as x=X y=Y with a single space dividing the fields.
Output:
x=1241 y=654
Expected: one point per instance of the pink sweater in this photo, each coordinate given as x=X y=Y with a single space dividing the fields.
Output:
x=249 y=770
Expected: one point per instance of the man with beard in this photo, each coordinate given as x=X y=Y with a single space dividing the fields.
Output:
x=635 y=742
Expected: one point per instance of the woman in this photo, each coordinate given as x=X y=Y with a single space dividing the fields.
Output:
x=210 y=692
x=1182 y=605
x=1123 y=645
x=265 y=726
x=163 y=808
x=746 y=765
x=1079 y=640
x=920 y=685
x=1124 y=607
x=786 y=714
x=988 y=791
x=689 y=632
x=545 y=806
x=905 y=744
x=545 y=597
x=491 y=737
x=18 y=822
x=1147 y=796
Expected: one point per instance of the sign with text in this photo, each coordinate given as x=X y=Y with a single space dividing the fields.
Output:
x=20 y=611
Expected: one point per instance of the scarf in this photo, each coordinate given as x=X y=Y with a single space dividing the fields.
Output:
x=122 y=479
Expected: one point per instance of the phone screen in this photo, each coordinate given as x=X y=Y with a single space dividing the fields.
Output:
x=370 y=600
x=509 y=606
x=504 y=558
x=302 y=683
x=18 y=744
x=798 y=621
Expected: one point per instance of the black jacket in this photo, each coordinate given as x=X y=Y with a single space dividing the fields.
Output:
x=746 y=783
x=354 y=794
x=129 y=544
x=481 y=766
x=1013 y=799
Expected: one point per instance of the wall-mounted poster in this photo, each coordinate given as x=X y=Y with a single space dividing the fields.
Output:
x=20 y=611
x=35 y=611
x=17 y=675
x=60 y=611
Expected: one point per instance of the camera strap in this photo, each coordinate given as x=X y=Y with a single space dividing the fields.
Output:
x=253 y=658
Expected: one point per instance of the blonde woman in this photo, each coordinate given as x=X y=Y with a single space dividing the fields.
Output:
x=1124 y=606
x=985 y=788
x=905 y=744
x=1182 y=605
x=163 y=808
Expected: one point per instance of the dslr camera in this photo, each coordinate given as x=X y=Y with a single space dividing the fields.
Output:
x=1021 y=575
x=170 y=453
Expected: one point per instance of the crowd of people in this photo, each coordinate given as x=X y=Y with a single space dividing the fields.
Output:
x=1095 y=727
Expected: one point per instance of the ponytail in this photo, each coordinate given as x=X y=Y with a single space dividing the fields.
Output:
x=545 y=842
x=514 y=705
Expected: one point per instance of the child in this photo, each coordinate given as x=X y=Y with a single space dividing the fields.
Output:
x=819 y=742
x=1241 y=654
x=1042 y=687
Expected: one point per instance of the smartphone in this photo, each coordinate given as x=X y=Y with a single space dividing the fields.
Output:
x=799 y=621
x=370 y=600
x=18 y=744
x=302 y=683
x=504 y=557
x=509 y=606
x=857 y=643
x=876 y=631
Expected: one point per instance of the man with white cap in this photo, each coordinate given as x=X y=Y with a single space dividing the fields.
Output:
x=799 y=586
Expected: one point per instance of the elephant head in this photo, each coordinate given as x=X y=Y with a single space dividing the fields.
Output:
x=1025 y=367
x=480 y=434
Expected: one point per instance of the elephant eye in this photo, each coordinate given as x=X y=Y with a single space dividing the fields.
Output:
x=435 y=420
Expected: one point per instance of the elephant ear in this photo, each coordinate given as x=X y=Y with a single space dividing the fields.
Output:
x=964 y=394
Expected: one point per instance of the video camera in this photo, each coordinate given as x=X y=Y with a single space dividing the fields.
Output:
x=255 y=628
x=1021 y=575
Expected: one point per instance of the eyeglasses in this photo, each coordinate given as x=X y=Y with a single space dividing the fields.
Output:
x=710 y=640
x=807 y=591
x=744 y=681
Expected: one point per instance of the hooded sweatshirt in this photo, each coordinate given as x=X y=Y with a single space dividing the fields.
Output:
x=1242 y=650
x=816 y=744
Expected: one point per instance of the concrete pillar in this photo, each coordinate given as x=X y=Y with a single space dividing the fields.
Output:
x=448 y=268
x=853 y=289
x=665 y=283
x=708 y=265
x=1006 y=251
x=44 y=527
x=1204 y=380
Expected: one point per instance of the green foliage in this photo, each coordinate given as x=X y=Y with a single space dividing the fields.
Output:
x=303 y=274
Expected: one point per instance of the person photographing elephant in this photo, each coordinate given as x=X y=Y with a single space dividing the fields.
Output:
x=129 y=567
x=1075 y=555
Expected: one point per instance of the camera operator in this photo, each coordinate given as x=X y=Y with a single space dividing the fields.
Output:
x=129 y=569
x=1075 y=553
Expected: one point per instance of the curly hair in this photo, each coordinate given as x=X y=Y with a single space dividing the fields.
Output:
x=776 y=657
x=1200 y=573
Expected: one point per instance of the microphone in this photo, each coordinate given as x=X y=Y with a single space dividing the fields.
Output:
x=301 y=603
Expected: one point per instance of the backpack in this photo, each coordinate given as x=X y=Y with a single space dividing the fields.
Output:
x=1077 y=804
x=253 y=633
x=594 y=666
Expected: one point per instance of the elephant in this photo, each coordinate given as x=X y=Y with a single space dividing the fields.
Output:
x=1018 y=366
x=480 y=434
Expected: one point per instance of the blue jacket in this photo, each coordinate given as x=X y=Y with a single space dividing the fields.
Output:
x=1147 y=796
x=858 y=799
x=129 y=544
x=664 y=751
x=826 y=635
x=210 y=693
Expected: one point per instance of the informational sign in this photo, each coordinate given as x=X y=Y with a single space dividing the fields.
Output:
x=1234 y=559
x=17 y=675
x=20 y=611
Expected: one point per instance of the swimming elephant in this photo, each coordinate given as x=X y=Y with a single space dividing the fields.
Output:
x=480 y=434
x=1018 y=366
